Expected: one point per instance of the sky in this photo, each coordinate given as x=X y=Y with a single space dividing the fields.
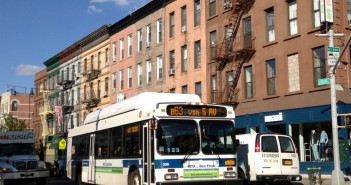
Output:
x=33 y=31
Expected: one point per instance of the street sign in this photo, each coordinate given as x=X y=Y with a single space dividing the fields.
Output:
x=323 y=81
x=333 y=55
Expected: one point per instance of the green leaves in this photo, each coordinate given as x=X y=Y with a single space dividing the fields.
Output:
x=12 y=124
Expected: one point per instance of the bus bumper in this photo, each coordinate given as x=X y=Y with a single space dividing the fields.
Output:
x=205 y=182
x=25 y=175
x=279 y=177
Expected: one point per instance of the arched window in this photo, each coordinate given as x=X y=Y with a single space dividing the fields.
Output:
x=14 y=105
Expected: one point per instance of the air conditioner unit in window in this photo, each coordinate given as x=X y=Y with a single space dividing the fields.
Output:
x=228 y=5
x=183 y=29
x=171 y=72
x=147 y=44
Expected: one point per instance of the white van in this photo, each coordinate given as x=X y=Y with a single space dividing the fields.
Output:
x=267 y=157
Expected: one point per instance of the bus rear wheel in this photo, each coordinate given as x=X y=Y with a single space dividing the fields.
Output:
x=134 y=178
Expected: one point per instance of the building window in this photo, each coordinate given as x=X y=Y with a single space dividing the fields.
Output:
x=148 y=35
x=212 y=9
x=293 y=73
x=172 y=90
x=271 y=75
x=130 y=42
x=248 y=82
x=114 y=52
x=78 y=95
x=270 y=24
x=79 y=67
x=292 y=5
x=78 y=121
x=91 y=62
x=184 y=89
x=99 y=89
x=159 y=30
x=85 y=65
x=171 y=25
x=213 y=89
x=316 y=13
x=198 y=89
x=148 y=71
x=348 y=6
x=230 y=85
x=184 y=59
x=14 y=106
x=184 y=18
x=159 y=67
x=247 y=32
x=140 y=72
x=140 y=40
x=107 y=56
x=213 y=42
x=121 y=49
x=318 y=64
x=106 y=86
x=85 y=92
x=171 y=60
x=130 y=77
x=99 y=60
x=121 y=79
x=114 y=81
x=197 y=57
x=197 y=13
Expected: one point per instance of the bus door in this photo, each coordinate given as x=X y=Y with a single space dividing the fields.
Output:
x=91 y=167
x=148 y=154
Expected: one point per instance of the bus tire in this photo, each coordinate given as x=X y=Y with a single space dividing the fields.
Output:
x=134 y=178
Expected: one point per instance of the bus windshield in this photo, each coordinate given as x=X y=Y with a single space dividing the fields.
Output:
x=217 y=137
x=177 y=137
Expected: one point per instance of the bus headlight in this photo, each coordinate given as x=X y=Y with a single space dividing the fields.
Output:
x=7 y=170
x=229 y=174
x=171 y=176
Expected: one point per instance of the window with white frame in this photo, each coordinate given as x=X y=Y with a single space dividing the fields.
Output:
x=213 y=43
x=148 y=35
x=316 y=13
x=348 y=7
x=171 y=60
x=130 y=77
x=213 y=89
x=140 y=40
x=121 y=49
x=91 y=62
x=148 y=71
x=198 y=90
x=271 y=76
x=121 y=79
x=184 y=89
x=319 y=68
x=270 y=24
x=184 y=59
x=159 y=67
x=114 y=52
x=99 y=60
x=171 y=25
x=248 y=82
x=212 y=8
x=230 y=85
x=292 y=6
x=183 y=19
x=159 y=30
x=130 y=42
x=197 y=57
x=197 y=14
x=140 y=74
x=114 y=81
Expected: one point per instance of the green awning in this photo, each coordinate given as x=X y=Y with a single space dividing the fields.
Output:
x=55 y=141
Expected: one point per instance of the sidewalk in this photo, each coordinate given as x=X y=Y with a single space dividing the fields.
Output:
x=326 y=179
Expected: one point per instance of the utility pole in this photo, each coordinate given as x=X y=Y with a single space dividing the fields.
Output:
x=337 y=174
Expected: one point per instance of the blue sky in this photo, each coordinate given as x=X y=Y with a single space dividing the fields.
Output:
x=32 y=31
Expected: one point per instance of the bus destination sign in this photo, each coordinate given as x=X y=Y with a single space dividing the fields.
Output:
x=196 y=110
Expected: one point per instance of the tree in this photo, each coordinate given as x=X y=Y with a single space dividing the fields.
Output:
x=13 y=124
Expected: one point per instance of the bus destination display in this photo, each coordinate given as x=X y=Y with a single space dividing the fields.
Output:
x=196 y=110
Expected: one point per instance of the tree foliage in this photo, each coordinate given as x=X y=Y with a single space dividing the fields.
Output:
x=13 y=124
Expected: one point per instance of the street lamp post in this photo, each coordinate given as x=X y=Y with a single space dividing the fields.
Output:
x=337 y=174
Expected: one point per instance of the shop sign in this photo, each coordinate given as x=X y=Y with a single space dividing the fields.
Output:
x=273 y=118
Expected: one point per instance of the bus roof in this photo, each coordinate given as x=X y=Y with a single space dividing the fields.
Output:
x=144 y=100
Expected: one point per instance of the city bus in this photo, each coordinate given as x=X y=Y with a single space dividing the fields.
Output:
x=155 y=138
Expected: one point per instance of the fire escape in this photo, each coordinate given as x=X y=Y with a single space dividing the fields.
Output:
x=89 y=98
x=46 y=112
x=232 y=53
x=66 y=83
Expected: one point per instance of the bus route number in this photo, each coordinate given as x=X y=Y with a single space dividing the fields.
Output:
x=196 y=110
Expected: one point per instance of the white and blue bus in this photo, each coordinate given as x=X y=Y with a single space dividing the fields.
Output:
x=155 y=138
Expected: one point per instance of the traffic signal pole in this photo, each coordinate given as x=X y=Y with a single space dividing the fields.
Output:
x=337 y=174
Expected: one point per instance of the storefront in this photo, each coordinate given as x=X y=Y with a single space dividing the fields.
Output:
x=299 y=123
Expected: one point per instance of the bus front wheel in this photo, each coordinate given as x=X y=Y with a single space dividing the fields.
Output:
x=134 y=178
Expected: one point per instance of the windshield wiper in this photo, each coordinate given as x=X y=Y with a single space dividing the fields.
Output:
x=186 y=157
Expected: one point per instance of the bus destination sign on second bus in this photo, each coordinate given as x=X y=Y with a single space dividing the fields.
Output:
x=196 y=110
